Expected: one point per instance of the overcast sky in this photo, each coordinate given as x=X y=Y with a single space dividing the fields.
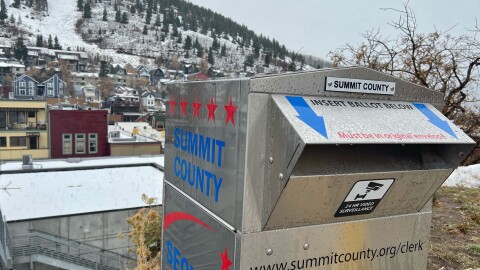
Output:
x=319 y=26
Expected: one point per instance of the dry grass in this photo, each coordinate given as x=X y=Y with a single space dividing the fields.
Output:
x=455 y=236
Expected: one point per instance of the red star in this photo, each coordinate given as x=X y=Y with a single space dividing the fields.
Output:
x=172 y=105
x=230 y=111
x=196 y=107
x=211 y=109
x=183 y=106
x=225 y=261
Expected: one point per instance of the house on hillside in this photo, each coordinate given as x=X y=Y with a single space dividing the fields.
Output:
x=127 y=93
x=91 y=93
x=54 y=87
x=118 y=70
x=24 y=87
x=147 y=100
x=9 y=68
x=143 y=72
x=156 y=75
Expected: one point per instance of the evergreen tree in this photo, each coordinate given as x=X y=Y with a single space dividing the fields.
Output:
x=80 y=5
x=154 y=8
x=3 y=11
x=104 y=14
x=133 y=9
x=50 y=42
x=12 y=19
x=139 y=6
x=199 y=51
x=118 y=16
x=211 y=61
x=124 y=18
x=196 y=45
x=100 y=31
x=157 y=20
x=223 y=52
x=103 y=69
x=148 y=18
x=188 y=43
x=16 y=4
x=179 y=39
x=249 y=61
x=20 y=51
x=39 y=42
x=57 y=46
x=165 y=28
x=87 y=11
x=174 y=30
x=115 y=7
x=145 y=30
x=215 y=44
x=268 y=58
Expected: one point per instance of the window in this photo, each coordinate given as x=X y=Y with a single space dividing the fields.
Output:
x=31 y=114
x=92 y=143
x=17 y=69
x=3 y=141
x=67 y=144
x=32 y=89
x=16 y=118
x=60 y=88
x=18 y=141
x=22 y=88
x=50 y=89
x=3 y=119
x=79 y=143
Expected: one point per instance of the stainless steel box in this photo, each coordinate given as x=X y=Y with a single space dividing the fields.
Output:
x=304 y=167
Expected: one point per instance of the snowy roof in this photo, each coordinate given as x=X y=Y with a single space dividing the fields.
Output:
x=85 y=74
x=61 y=188
x=67 y=57
x=126 y=129
x=3 y=64
x=32 y=53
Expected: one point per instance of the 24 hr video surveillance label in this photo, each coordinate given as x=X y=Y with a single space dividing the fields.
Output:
x=364 y=196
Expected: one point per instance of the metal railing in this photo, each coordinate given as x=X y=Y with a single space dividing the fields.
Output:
x=73 y=252
x=5 y=242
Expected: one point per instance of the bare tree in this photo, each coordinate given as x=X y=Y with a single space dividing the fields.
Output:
x=67 y=77
x=438 y=60
x=106 y=87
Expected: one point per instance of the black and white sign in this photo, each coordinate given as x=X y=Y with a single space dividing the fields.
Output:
x=359 y=86
x=364 y=196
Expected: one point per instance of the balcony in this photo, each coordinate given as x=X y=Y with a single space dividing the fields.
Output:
x=22 y=126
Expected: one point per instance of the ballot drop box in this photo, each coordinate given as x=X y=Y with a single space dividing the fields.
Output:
x=329 y=169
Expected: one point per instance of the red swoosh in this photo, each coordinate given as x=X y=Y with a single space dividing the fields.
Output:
x=173 y=217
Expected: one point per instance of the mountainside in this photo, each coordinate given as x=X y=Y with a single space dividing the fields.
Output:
x=150 y=32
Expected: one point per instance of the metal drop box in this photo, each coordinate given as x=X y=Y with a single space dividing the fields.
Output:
x=329 y=169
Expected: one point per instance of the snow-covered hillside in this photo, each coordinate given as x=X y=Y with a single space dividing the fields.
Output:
x=128 y=43
x=60 y=21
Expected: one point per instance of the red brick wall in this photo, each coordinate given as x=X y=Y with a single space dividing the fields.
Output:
x=74 y=122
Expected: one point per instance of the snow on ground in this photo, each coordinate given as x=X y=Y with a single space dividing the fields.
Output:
x=468 y=176
x=60 y=21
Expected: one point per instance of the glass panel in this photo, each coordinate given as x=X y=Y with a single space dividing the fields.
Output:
x=3 y=119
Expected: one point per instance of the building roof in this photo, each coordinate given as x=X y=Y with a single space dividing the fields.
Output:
x=146 y=134
x=61 y=188
x=3 y=64
x=85 y=74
